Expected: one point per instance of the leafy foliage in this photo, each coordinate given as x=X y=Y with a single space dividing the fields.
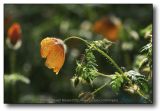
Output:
x=146 y=63
x=147 y=49
x=147 y=32
x=102 y=44
x=131 y=81
x=87 y=68
x=117 y=81
x=139 y=79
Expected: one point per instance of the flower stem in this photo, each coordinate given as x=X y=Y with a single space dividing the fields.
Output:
x=110 y=59
x=101 y=87
x=12 y=61
x=74 y=37
x=99 y=50
x=104 y=75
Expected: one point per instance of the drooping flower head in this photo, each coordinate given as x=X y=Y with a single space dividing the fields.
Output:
x=53 y=49
x=109 y=27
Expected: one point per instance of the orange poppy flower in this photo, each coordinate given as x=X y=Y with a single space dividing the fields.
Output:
x=54 y=50
x=14 y=33
x=109 y=27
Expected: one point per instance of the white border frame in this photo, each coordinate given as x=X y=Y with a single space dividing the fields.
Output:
x=73 y=107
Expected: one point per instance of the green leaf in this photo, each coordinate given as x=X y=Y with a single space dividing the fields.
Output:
x=102 y=44
x=147 y=31
x=146 y=47
x=117 y=81
x=13 y=78
x=139 y=80
x=87 y=68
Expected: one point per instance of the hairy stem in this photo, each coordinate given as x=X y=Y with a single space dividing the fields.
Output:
x=101 y=87
x=99 y=50
x=74 y=37
x=104 y=75
x=110 y=59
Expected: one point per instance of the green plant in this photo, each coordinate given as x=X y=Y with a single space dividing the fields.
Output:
x=129 y=81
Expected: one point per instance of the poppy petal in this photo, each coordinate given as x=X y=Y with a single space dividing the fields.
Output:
x=54 y=50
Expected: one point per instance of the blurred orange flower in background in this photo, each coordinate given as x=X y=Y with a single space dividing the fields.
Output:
x=109 y=27
x=54 y=50
x=14 y=33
